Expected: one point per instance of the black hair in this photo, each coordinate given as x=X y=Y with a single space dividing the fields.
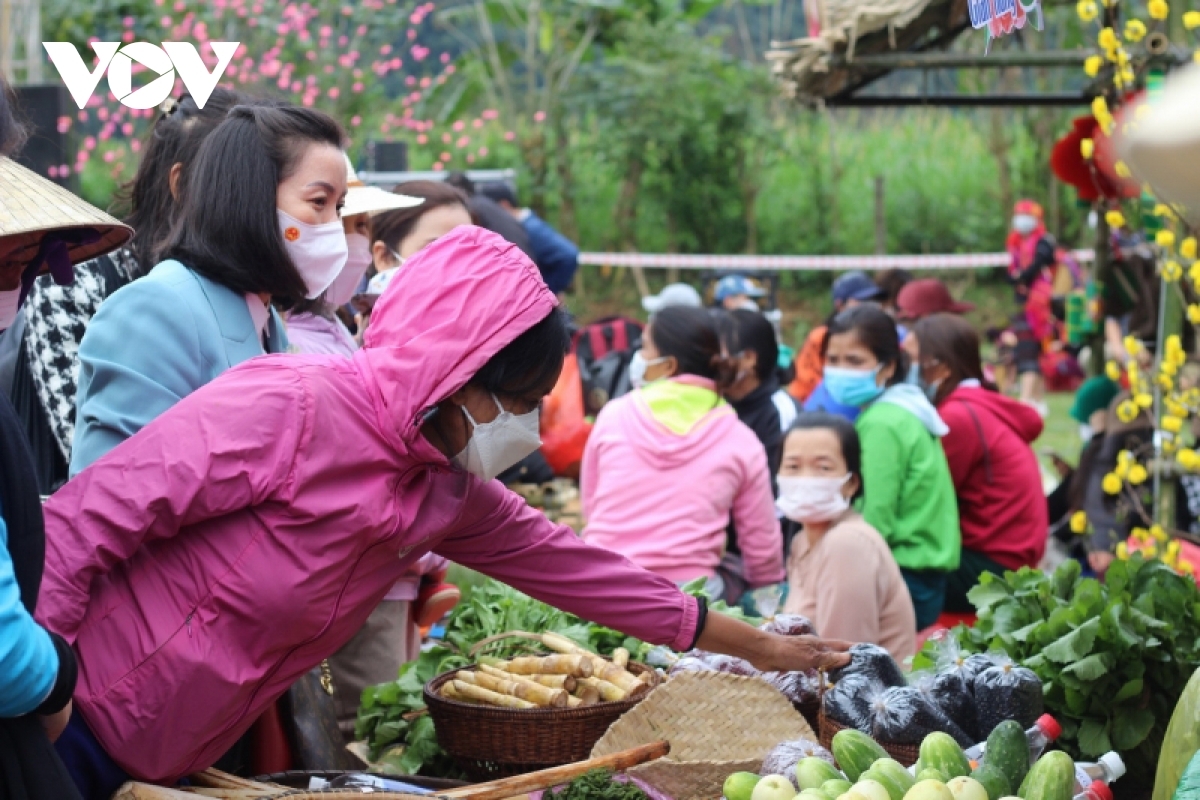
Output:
x=13 y=132
x=891 y=281
x=689 y=335
x=847 y=436
x=742 y=330
x=146 y=202
x=392 y=227
x=227 y=228
x=529 y=361
x=460 y=181
x=872 y=326
x=500 y=193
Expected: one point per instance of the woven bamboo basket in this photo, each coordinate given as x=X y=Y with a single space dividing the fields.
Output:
x=716 y=723
x=489 y=742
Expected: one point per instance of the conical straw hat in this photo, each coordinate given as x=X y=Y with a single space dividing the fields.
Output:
x=1162 y=146
x=31 y=206
x=363 y=199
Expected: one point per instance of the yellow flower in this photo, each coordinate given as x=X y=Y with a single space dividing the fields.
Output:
x=1194 y=271
x=1164 y=380
x=1132 y=346
x=1174 y=408
x=1172 y=271
x=1140 y=535
x=1087 y=148
x=1122 y=551
x=1092 y=65
x=1194 y=314
x=1168 y=368
x=1158 y=533
x=1143 y=399
x=1187 y=458
x=1127 y=411
x=1115 y=219
x=1186 y=567
x=1113 y=371
x=1191 y=20
x=1196 y=56
x=1135 y=30
x=1161 y=209
x=1125 y=457
x=1087 y=10
x=1138 y=475
x=1187 y=248
x=1158 y=9
x=1174 y=343
x=1079 y=522
x=1111 y=484
x=1121 y=169
x=1108 y=41
x=1169 y=447
x=1164 y=238
x=1172 y=424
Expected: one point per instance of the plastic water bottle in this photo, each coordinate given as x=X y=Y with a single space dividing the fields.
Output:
x=1109 y=768
x=1097 y=791
x=1043 y=732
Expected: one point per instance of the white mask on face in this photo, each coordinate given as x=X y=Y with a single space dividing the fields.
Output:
x=357 y=261
x=638 y=366
x=805 y=499
x=1024 y=224
x=10 y=303
x=318 y=251
x=497 y=445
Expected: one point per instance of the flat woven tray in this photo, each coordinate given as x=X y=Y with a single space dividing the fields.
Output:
x=716 y=724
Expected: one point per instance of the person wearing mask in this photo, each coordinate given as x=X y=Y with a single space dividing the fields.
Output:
x=1032 y=253
x=400 y=234
x=909 y=493
x=737 y=291
x=673 y=458
x=43 y=228
x=281 y=176
x=925 y=297
x=392 y=634
x=556 y=256
x=849 y=290
x=488 y=214
x=313 y=326
x=54 y=318
x=997 y=479
x=183 y=646
x=841 y=574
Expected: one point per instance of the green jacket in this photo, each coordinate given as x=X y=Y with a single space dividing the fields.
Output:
x=908 y=492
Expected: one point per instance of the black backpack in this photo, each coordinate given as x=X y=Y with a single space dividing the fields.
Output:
x=604 y=349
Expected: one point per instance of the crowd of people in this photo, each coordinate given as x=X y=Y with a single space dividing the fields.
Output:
x=270 y=406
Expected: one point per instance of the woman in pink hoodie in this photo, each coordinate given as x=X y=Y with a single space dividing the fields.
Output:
x=206 y=563
x=670 y=463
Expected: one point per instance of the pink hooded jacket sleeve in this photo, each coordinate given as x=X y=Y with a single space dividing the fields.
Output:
x=517 y=544
x=159 y=481
x=759 y=535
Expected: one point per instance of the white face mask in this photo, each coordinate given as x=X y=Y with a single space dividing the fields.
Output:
x=806 y=499
x=357 y=261
x=1024 y=223
x=318 y=251
x=638 y=366
x=10 y=303
x=497 y=445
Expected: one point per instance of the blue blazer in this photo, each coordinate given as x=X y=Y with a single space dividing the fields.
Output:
x=556 y=256
x=152 y=343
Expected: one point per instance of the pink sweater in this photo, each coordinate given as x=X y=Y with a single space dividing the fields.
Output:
x=663 y=499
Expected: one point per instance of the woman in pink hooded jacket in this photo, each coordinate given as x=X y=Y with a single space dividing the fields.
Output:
x=209 y=561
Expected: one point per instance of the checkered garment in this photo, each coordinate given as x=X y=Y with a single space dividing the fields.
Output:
x=56 y=318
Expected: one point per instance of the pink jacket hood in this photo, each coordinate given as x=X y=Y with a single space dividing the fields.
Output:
x=206 y=563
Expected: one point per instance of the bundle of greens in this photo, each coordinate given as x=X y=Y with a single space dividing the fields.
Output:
x=598 y=785
x=1113 y=657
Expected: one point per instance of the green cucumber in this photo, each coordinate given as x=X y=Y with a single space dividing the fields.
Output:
x=812 y=772
x=894 y=777
x=835 y=788
x=855 y=752
x=1008 y=751
x=931 y=774
x=1051 y=778
x=941 y=752
x=994 y=781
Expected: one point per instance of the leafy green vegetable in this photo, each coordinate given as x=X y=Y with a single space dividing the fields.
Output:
x=599 y=785
x=1113 y=658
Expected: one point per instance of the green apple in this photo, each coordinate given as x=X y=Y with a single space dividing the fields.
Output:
x=740 y=785
x=773 y=787
x=967 y=789
x=872 y=790
x=929 y=790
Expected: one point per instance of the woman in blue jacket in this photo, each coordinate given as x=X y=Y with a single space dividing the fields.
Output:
x=258 y=221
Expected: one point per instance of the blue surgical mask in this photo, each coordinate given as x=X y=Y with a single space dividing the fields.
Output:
x=914 y=374
x=852 y=387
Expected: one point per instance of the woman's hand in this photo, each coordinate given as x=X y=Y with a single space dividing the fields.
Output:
x=56 y=723
x=771 y=652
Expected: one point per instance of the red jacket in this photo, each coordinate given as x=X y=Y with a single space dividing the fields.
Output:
x=997 y=479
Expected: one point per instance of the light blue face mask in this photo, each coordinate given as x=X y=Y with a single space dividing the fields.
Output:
x=852 y=387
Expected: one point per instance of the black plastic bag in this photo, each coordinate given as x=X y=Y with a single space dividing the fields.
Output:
x=872 y=661
x=789 y=625
x=949 y=692
x=1007 y=692
x=798 y=687
x=782 y=760
x=903 y=715
x=849 y=701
